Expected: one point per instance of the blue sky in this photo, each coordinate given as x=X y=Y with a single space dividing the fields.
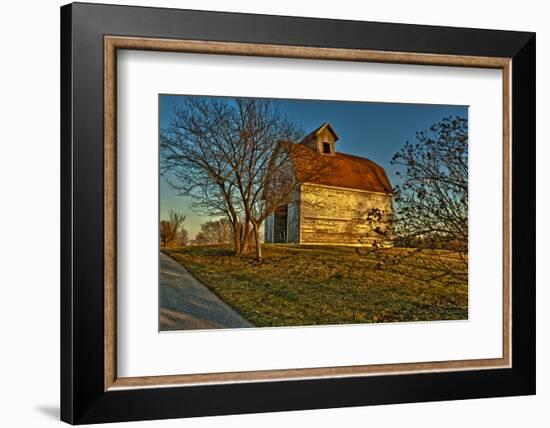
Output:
x=372 y=130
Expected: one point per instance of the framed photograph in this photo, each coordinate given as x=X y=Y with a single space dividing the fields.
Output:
x=267 y=213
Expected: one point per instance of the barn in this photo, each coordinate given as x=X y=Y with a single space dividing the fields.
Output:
x=330 y=206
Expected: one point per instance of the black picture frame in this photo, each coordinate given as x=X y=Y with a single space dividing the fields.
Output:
x=83 y=398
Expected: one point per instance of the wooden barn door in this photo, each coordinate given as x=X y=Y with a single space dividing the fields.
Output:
x=280 y=220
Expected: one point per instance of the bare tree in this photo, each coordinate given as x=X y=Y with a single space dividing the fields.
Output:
x=276 y=185
x=228 y=155
x=431 y=203
x=215 y=232
x=183 y=237
x=200 y=239
x=170 y=229
x=165 y=233
x=261 y=168
x=194 y=160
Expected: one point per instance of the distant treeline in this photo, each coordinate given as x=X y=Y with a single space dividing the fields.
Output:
x=172 y=231
x=174 y=234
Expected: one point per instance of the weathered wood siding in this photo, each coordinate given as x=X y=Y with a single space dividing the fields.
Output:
x=324 y=136
x=268 y=229
x=293 y=227
x=337 y=216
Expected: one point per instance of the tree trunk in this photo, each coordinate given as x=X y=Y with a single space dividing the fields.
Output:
x=257 y=242
x=245 y=237
x=237 y=238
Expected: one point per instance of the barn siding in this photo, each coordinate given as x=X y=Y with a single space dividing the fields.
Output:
x=293 y=227
x=268 y=229
x=337 y=216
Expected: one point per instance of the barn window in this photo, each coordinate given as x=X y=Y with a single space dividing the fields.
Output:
x=326 y=148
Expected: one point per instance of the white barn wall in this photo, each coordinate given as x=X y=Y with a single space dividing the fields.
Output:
x=337 y=216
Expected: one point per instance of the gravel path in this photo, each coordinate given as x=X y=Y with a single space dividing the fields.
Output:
x=186 y=304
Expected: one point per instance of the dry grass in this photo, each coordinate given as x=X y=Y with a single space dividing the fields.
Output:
x=312 y=285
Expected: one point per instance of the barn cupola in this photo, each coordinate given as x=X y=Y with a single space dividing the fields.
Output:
x=322 y=140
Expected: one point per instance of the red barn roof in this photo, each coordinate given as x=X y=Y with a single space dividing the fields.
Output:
x=338 y=170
